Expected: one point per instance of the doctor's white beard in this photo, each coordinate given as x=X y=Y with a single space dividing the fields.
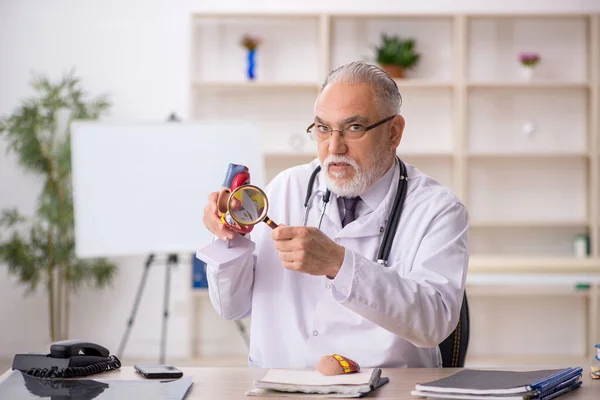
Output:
x=360 y=182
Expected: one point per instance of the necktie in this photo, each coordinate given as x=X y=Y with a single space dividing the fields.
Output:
x=349 y=206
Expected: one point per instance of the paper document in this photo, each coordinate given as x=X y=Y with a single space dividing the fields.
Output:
x=313 y=382
x=315 y=378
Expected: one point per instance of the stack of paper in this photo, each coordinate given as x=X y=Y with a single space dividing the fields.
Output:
x=506 y=385
x=292 y=383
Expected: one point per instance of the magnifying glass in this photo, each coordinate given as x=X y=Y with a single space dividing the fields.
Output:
x=248 y=205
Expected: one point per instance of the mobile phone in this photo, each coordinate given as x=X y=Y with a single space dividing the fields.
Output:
x=158 y=371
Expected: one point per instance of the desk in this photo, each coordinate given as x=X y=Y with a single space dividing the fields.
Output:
x=226 y=383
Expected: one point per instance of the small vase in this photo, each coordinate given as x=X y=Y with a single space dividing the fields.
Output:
x=251 y=64
x=527 y=73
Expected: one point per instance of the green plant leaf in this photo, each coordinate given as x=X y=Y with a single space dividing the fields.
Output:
x=37 y=132
x=395 y=51
x=19 y=255
x=95 y=272
x=11 y=217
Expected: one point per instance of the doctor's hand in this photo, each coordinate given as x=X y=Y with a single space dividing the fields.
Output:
x=211 y=219
x=308 y=250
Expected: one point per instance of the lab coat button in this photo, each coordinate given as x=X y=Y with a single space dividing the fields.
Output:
x=328 y=285
x=315 y=333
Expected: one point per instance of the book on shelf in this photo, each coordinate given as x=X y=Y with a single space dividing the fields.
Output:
x=498 y=384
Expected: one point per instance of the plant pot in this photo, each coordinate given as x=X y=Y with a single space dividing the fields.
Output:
x=395 y=71
x=527 y=72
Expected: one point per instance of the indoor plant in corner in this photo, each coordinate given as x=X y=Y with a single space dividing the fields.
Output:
x=396 y=55
x=40 y=249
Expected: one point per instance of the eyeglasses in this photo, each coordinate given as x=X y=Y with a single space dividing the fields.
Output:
x=320 y=132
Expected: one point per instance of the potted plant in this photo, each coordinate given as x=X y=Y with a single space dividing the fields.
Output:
x=39 y=249
x=529 y=61
x=395 y=55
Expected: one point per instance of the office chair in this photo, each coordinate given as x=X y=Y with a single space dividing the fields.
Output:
x=454 y=347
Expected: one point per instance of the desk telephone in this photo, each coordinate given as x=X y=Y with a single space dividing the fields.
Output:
x=67 y=359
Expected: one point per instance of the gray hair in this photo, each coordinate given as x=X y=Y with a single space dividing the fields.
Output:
x=387 y=96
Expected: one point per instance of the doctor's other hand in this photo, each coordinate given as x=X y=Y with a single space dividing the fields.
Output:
x=213 y=222
x=308 y=250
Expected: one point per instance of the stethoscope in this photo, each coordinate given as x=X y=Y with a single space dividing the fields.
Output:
x=392 y=225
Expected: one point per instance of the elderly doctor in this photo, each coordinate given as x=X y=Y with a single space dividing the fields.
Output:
x=314 y=291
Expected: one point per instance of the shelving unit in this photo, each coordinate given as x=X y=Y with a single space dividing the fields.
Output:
x=523 y=155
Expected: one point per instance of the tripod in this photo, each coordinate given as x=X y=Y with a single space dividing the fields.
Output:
x=171 y=260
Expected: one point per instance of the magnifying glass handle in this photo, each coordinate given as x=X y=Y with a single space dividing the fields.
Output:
x=270 y=222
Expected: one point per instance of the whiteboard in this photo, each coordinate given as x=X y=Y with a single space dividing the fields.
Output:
x=141 y=188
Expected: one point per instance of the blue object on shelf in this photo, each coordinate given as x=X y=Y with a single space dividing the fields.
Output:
x=251 y=63
x=199 y=280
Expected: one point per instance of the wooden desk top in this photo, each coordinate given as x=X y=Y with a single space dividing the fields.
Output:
x=226 y=383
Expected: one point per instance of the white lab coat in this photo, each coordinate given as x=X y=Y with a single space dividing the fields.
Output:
x=392 y=316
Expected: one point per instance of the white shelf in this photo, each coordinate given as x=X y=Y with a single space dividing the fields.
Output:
x=311 y=155
x=251 y=85
x=251 y=15
x=528 y=84
x=422 y=84
x=524 y=155
x=544 y=265
x=525 y=291
x=528 y=224
x=403 y=15
x=425 y=154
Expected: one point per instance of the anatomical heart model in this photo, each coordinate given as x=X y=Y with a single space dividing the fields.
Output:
x=237 y=175
x=335 y=364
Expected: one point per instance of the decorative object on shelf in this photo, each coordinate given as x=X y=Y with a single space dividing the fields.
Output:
x=39 y=249
x=581 y=246
x=251 y=43
x=529 y=129
x=296 y=141
x=528 y=63
x=395 y=55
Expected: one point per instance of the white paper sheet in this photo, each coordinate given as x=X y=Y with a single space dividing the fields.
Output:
x=315 y=378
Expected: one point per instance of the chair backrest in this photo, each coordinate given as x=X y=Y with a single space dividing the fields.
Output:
x=454 y=347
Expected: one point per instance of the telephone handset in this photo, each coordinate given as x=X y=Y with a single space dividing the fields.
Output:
x=70 y=348
x=67 y=359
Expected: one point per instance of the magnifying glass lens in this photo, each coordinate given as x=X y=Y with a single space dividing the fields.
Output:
x=248 y=205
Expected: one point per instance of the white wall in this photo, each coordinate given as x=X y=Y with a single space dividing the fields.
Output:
x=137 y=50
